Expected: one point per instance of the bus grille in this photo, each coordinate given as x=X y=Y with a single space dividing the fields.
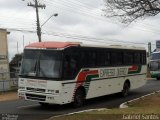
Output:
x=38 y=90
x=35 y=97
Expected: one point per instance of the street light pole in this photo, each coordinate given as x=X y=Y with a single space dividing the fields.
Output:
x=55 y=15
x=37 y=5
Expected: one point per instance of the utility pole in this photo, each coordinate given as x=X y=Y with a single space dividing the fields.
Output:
x=37 y=5
x=23 y=41
x=17 y=48
x=149 y=49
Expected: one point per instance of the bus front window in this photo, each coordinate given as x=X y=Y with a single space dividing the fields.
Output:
x=28 y=67
x=154 y=66
x=41 y=63
x=50 y=63
x=155 y=56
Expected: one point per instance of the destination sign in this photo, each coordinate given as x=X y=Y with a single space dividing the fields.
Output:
x=106 y=73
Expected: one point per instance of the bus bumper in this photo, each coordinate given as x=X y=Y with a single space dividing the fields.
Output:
x=43 y=98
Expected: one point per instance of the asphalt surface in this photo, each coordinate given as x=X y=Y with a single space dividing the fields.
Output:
x=27 y=110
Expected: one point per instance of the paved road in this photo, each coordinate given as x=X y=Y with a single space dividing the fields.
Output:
x=27 y=110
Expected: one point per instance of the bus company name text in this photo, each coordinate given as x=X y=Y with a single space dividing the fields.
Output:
x=113 y=72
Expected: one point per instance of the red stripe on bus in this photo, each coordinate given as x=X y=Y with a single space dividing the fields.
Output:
x=82 y=75
x=133 y=68
x=81 y=78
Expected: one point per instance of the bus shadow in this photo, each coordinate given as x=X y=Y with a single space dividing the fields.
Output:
x=108 y=101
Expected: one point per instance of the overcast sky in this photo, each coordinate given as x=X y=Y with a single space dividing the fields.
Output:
x=77 y=20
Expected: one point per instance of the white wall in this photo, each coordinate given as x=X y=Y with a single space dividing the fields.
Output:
x=4 y=64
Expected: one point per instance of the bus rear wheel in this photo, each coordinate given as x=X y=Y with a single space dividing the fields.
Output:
x=126 y=88
x=79 y=98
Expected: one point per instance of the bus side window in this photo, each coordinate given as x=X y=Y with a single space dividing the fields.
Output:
x=128 y=58
x=83 y=59
x=70 y=67
x=92 y=59
x=143 y=58
x=88 y=59
x=116 y=58
x=107 y=59
x=100 y=59
x=137 y=58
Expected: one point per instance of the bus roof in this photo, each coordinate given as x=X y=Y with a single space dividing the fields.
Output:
x=63 y=45
x=115 y=47
x=50 y=45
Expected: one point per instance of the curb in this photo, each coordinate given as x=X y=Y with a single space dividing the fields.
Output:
x=124 y=105
x=89 y=110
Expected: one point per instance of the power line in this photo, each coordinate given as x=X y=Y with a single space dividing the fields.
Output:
x=88 y=14
x=90 y=38
x=79 y=11
x=84 y=12
x=79 y=37
x=139 y=27
x=37 y=5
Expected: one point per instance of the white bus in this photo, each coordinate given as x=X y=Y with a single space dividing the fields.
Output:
x=63 y=72
x=154 y=65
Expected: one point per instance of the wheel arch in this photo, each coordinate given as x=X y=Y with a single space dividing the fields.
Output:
x=82 y=88
x=128 y=82
x=79 y=99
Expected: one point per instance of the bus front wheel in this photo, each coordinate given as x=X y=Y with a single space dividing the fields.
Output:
x=79 y=98
x=44 y=104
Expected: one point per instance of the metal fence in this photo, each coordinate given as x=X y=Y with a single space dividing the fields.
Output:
x=8 y=81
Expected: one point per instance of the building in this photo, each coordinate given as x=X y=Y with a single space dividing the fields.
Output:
x=4 y=61
x=157 y=45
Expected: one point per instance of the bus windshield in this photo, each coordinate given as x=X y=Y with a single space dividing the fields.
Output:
x=155 y=56
x=154 y=66
x=41 y=63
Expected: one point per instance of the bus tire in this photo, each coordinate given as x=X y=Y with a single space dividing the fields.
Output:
x=44 y=104
x=126 y=88
x=79 y=98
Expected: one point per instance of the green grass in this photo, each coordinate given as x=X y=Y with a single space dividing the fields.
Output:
x=145 y=106
x=113 y=114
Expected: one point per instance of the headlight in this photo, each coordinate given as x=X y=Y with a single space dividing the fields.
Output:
x=22 y=88
x=21 y=81
x=53 y=91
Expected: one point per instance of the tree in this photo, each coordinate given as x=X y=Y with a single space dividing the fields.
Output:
x=15 y=63
x=128 y=11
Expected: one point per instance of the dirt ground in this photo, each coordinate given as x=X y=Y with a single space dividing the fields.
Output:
x=4 y=96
